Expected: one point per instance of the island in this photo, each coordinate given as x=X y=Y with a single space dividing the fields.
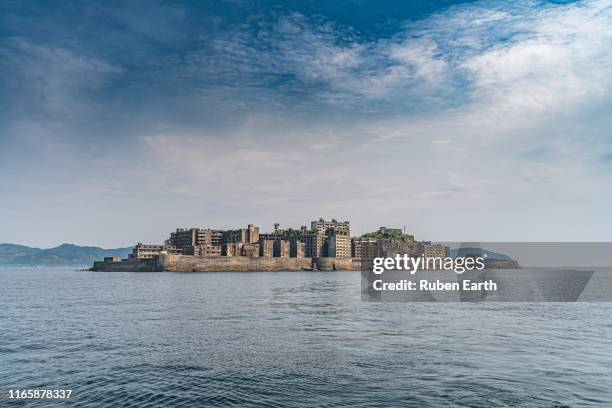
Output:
x=325 y=246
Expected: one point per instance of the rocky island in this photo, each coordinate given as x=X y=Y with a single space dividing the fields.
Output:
x=325 y=246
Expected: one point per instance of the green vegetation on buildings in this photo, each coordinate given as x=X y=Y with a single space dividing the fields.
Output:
x=393 y=235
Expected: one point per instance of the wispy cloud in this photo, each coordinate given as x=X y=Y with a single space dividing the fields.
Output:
x=293 y=53
x=524 y=57
x=52 y=78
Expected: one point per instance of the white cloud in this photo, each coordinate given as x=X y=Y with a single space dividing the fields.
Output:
x=557 y=59
x=55 y=78
x=525 y=58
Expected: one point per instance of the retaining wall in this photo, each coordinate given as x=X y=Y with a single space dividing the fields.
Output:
x=188 y=263
x=127 y=265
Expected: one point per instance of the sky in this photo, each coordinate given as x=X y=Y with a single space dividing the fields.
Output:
x=460 y=120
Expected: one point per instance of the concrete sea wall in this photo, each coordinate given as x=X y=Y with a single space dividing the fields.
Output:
x=127 y=265
x=187 y=263
x=341 y=264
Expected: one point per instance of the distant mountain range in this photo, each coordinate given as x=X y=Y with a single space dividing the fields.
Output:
x=63 y=255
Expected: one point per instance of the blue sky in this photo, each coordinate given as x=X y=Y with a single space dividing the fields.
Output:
x=476 y=121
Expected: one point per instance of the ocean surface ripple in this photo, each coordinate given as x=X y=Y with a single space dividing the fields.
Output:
x=289 y=340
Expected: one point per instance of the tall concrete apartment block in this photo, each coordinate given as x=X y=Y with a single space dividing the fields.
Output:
x=339 y=245
x=241 y=242
x=315 y=244
x=328 y=238
x=186 y=239
x=144 y=251
x=203 y=250
x=249 y=235
x=281 y=248
x=366 y=248
x=147 y=251
x=231 y=249
x=297 y=249
x=209 y=242
x=266 y=247
x=183 y=238
x=240 y=249
x=321 y=226
x=430 y=250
